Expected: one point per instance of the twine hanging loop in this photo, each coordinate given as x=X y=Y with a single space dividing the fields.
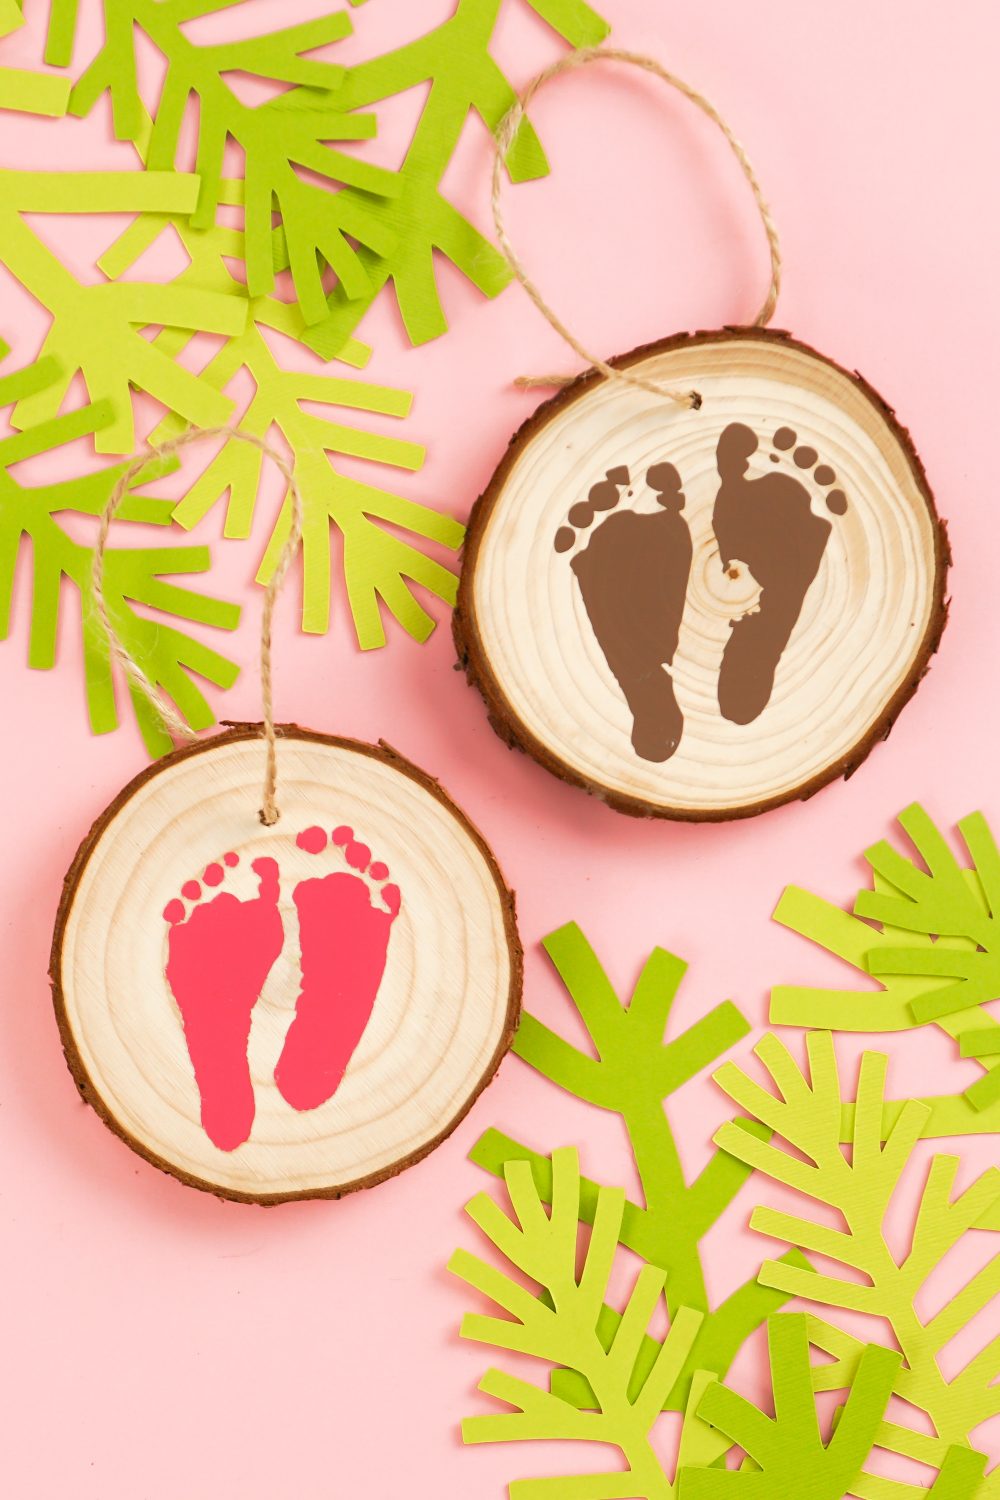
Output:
x=172 y=720
x=583 y=57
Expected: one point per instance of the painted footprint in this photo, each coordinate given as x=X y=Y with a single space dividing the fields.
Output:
x=219 y=953
x=344 y=924
x=768 y=523
x=633 y=575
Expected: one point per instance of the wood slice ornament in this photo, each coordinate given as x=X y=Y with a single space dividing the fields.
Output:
x=275 y=1006
x=707 y=575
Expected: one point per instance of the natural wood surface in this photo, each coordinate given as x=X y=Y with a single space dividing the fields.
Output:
x=213 y=978
x=704 y=613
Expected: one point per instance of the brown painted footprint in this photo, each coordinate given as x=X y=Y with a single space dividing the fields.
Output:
x=767 y=523
x=633 y=575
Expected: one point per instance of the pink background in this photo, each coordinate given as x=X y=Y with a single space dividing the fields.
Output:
x=158 y=1343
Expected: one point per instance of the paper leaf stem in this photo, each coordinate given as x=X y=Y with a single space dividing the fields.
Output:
x=931 y=924
x=559 y=1325
x=806 y=1114
x=133 y=575
x=787 y=1450
x=634 y=1071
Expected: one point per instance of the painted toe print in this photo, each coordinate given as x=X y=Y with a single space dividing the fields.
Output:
x=220 y=951
x=345 y=917
x=769 y=524
x=633 y=569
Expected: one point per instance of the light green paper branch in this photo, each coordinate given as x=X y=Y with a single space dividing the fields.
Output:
x=277 y=141
x=805 y=1112
x=559 y=1326
x=132 y=576
x=32 y=93
x=909 y=959
x=455 y=62
x=11 y=16
x=959 y=1470
x=97 y=329
x=632 y=1074
x=379 y=565
x=787 y=1452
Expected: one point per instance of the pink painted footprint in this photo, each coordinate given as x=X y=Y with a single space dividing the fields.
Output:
x=344 y=924
x=219 y=953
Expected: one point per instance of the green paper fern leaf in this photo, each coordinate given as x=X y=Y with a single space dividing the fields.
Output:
x=560 y=1325
x=806 y=1113
x=633 y=1072
x=30 y=521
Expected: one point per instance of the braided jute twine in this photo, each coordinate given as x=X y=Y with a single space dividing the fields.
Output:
x=506 y=132
x=172 y=720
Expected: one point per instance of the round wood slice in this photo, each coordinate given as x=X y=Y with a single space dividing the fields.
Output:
x=704 y=613
x=285 y=1012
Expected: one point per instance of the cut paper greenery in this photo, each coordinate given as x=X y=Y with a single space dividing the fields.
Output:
x=805 y=1114
x=454 y=61
x=96 y=330
x=345 y=229
x=633 y=1072
x=378 y=564
x=383 y=225
x=32 y=93
x=935 y=925
x=32 y=515
x=562 y=1324
x=559 y=1321
x=278 y=137
x=11 y=16
x=958 y=1476
x=782 y=1450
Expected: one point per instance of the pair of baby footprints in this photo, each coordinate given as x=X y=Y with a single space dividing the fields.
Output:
x=634 y=571
x=221 y=949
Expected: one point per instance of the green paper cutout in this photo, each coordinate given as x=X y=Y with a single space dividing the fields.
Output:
x=97 y=329
x=382 y=225
x=788 y=1451
x=906 y=962
x=982 y=1043
x=807 y=1115
x=11 y=16
x=559 y=1325
x=944 y=902
x=131 y=575
x=277 y=137
x=455 y=61
x=633 y=1073
x=32 y=93
x=378 y=564
x=959 y=1476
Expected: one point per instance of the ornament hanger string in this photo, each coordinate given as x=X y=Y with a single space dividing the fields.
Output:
x=506 y=132
x=172 y=720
